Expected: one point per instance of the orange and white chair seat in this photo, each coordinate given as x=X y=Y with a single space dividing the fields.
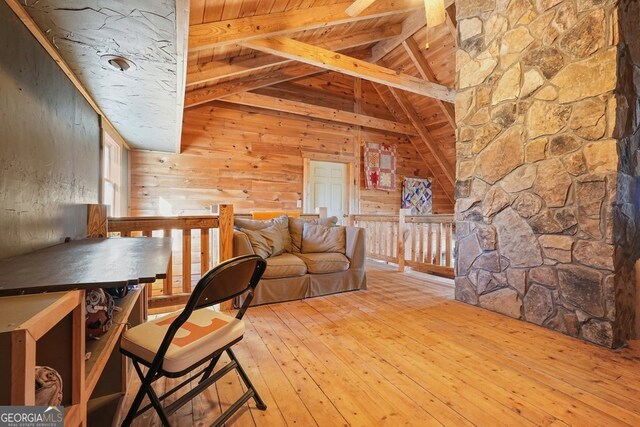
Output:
x=204 y=333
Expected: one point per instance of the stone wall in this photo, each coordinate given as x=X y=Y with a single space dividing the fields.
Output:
x=538 y=165
x=627 y=207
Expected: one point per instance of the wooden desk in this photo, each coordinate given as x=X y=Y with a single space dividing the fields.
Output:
x=48 y=326
x=86 y=264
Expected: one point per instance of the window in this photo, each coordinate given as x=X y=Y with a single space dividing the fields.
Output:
x=111 y=175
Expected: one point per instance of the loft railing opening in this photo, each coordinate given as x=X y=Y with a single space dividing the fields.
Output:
x=423 y=243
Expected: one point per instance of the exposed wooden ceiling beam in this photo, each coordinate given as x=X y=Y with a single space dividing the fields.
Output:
x=427 y=73
x=425 y=135
x=358 y=6
x=333 y=61
x=213 y=34
x=410 y=26
x=452 y=23
x=243 y=65
x=415 y=141
x=257 y=81
x=318 y=112
x=287 y=73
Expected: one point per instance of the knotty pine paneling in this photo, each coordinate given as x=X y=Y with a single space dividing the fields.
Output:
x=253 y=158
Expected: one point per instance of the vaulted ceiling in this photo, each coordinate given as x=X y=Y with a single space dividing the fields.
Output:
x=239 y=47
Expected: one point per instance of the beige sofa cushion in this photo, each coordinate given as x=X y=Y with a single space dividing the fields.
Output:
x=281 y=223
x=320 y=263
x=322 y=239
x=266 y=242
x=285 y=265
x=296 y=226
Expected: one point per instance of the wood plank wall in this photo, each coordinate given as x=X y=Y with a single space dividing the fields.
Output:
x=254 y=158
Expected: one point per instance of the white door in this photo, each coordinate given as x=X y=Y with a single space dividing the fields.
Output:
x=326 y=186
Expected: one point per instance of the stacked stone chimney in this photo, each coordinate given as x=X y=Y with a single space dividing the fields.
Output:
x=546 y=200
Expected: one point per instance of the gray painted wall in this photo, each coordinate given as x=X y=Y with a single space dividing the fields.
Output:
x=49 y=146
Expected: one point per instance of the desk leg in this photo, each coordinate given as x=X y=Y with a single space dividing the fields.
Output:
x=78 y=366
x=23 y=368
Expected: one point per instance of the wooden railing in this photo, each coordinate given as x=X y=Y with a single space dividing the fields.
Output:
x=199 y=242
x=422 y=242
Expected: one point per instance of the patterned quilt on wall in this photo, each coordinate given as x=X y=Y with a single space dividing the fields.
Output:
x=380 y=166
x=417 y=196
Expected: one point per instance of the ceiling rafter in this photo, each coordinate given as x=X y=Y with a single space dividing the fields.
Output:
x=318 y=112
x=427 y=73
x=410 y=26
x=415 y=141
x=233 y=31
x=247 y=64
x=344 y=64
x=358 y=6
x=269 y=78
x=424 y=134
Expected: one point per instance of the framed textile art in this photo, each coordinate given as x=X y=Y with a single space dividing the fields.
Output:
x=379 y=166
x=417 y=196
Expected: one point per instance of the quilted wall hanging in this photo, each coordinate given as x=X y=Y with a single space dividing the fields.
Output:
x=380 y=166
x=417 y=196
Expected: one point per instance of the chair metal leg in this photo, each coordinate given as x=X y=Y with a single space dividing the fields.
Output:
x=146 y=387
x=259 y=402
x=207 y=372
x=137 y=401
x=158 y=406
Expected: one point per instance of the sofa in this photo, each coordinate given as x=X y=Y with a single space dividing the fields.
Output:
x=305 y=257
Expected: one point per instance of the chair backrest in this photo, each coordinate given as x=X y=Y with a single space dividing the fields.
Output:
x=224 y=282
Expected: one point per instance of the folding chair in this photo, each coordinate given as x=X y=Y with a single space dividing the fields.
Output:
x=175 y=345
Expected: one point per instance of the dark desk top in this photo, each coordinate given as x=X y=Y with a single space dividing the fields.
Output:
x=85 y=264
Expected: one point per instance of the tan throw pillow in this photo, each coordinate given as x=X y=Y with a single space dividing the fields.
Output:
x=296 y=225
x=281 y=223
x=320 y=238
x=267 y=242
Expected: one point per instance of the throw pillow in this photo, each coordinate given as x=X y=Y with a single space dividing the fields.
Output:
x=281 y=223
x=296 y=225
x=267 y=242
x=319 y=238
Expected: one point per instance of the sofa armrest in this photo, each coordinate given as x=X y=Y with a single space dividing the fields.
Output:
x=355 y=249
x=241 y=244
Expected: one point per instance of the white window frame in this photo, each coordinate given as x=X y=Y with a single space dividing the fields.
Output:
x=111 y=156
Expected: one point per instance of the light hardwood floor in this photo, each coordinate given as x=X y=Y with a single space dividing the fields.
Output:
x=404 y=353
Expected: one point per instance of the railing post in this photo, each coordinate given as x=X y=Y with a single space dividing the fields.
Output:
x=401 y=238
x=186 y=260
x=322 y=212
x=225 y=221
x=352 y=220
x=97 y=222
x=225 y=230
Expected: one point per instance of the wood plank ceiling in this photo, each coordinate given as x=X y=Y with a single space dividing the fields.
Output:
x=239 y=47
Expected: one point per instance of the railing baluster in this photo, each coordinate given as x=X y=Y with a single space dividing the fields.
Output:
x=205 y=255
x=420 y=243
x=438 y=255
x=167 y=288
x=383 y=239
x=429 y=244
x=186 y=261
x=447 y=244
x=412 y=229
